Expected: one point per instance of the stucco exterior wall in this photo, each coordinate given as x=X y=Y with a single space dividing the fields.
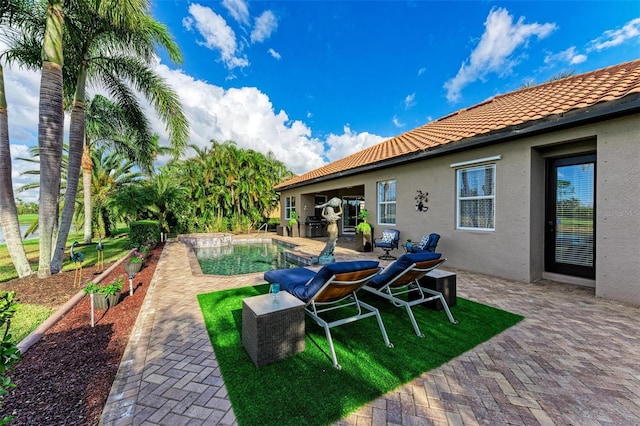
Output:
x=515 y=250
x=618 y=209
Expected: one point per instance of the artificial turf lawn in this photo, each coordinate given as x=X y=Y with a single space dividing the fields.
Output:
x=305 y=389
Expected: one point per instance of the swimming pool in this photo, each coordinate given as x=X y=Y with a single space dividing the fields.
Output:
x=243 y=258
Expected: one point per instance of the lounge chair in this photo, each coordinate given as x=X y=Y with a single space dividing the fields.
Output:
x=401 y=278
x=427 y=243
x=389 y=241
x=332 y=287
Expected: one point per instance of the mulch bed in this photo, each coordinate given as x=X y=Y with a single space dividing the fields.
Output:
x=65 y=378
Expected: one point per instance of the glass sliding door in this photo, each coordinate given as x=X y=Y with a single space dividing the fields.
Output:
x=570 y=216
x=350 y=212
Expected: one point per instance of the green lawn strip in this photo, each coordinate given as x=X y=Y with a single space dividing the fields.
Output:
x=26 y=319
x=114 y=249
x=28 y=218
x=306 y=389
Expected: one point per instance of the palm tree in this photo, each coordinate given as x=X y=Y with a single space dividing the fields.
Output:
x=227 y=185
x=108 y=52
x=50 y=130
x=8 y=210
x=165 y=191
x=111 y=173
x=106 y=124
x=110 y=42
x=10 y=12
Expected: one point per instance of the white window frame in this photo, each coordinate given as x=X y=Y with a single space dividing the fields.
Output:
x=460 y=199
x=381 y=203
x=289 y=205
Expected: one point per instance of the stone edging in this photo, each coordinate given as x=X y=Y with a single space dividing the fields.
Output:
x=37 y=334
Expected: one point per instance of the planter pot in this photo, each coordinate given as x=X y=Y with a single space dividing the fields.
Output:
x=102 y=301
x=132 y=267
x=363 y=242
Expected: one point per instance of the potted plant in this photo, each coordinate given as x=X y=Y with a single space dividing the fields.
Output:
x=293 y=220
x=363 y=231
x=105 y=295
x=145 y=250
x=134 y=264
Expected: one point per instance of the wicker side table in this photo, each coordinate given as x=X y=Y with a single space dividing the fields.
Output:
x=272 y=329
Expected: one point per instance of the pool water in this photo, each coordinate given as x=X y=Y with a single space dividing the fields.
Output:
x=243 y=258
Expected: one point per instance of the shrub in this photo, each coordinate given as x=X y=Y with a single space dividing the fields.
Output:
x=9 y=353
x=144 y=232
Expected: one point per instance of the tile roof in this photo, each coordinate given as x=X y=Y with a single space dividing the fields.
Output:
x=498 y=113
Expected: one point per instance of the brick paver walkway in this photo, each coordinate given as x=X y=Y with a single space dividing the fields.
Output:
x=574 y=360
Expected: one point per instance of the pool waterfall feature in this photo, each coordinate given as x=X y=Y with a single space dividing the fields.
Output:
x=217 y=245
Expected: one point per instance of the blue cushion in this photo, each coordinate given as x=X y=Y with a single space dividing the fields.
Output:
x=294 y=280
x=399 y=265
x=383 y=244
x=291 y=277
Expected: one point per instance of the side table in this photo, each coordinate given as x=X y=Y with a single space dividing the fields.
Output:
x=445 y=283
x=272 y=328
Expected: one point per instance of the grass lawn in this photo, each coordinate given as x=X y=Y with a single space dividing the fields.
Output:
x=305 y=389
x=26 y=319
x=30 y=316
x=114 y=250
x=27 y=219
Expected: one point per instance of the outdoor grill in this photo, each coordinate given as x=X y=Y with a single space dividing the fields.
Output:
x=315 y=227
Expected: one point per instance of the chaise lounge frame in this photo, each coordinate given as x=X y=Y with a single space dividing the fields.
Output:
x=340 y=292
x=407 y=283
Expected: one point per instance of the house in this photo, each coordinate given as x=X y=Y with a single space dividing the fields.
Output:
x=542 y=182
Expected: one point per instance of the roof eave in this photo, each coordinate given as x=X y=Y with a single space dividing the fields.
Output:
x=627 y=105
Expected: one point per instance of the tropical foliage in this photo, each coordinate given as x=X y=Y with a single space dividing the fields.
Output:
x=109 y=43
x=229 y=189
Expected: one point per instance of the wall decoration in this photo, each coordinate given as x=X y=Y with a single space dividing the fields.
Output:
x=421 y=201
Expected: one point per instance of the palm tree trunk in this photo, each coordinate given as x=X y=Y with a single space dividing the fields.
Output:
x=8 y=210
x=76 y=142
x=50 y=132
x=87 y=165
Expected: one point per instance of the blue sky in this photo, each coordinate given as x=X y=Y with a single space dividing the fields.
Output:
x=314 y=81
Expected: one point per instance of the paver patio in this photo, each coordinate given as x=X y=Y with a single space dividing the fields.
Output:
x=574 y=360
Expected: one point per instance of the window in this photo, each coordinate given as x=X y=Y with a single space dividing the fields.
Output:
x=387 y=202
x=476 y=198
x=289 y=206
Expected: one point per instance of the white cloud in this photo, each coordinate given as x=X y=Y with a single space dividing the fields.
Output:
x=265 y=25
x=568 y=55
x=246 y=116
x=349 y=142
x=396 y=122
x=274 y=54
x=422 y=71
x=217 y=35
x=612 y=38
x=410 y=101
x=238 y=9
x=22 y=88
x=493 y=54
